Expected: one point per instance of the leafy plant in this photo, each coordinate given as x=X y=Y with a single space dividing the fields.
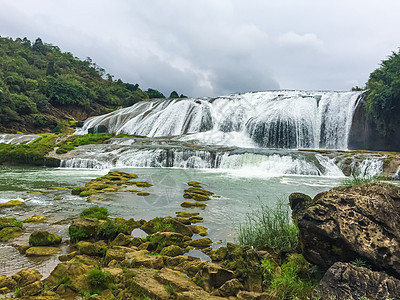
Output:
x=170 y=289
x=270 y=228
x=358 y=262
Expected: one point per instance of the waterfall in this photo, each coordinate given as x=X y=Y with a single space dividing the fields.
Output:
x=17 y=138
x=262 y=162
x=274 y=119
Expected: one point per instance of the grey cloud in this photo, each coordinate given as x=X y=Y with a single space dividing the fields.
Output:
x=208 y=48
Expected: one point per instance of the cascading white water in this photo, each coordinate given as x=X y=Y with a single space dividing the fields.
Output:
x=17 y=138
x=263 y=164
x=275 y=119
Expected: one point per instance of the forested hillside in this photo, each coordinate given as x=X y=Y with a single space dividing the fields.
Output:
x=41 y=86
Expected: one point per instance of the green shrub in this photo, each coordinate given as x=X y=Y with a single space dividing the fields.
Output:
x=270 y=229
x=98 y=280
x=296 y=280
x=98 y=212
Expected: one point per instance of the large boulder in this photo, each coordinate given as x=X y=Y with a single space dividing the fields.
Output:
x=346 y=281
x=44 y=238
x=348 y=223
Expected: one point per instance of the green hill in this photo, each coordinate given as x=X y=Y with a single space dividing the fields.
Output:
x=41 y=86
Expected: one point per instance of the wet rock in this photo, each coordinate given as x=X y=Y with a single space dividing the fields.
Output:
x=298 y=202
x=166 y=224
x=346 y=223
x=200 y=243
x=197 y=194
x=194 y=204
x=180 y=282
x=160 y=240
x=10 y=233
x=26 y=276
x=346 y=281
x=67 y=257
x=42 y=251
x=196 y=219
x=57 y=188
x=36 y=219
x=11 y=203
x=185 y=214
x=194 y=184
x=184 y=221
x=44 y=238
x=200 y=230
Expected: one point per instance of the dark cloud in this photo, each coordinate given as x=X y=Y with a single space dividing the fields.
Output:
x=208 y=48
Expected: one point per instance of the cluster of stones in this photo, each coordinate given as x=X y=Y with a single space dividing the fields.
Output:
x=111 y=182
x=354 y=234
x=197 y=193
x=153 y=267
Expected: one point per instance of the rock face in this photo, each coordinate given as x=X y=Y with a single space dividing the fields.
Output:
x=348 y=223
x=346 y=281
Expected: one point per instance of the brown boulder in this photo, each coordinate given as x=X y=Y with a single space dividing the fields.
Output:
x=346 y=281
x=346 y=223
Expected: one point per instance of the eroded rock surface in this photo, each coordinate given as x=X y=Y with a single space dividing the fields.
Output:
x=348 y=223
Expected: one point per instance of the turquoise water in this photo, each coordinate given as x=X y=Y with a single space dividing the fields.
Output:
x=237 y=196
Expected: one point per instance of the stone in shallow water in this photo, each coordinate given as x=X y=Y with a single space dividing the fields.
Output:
x=42 y=251
x=194 y=204
x=11 y=203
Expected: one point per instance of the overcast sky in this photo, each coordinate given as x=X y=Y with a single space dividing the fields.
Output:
x=216 y=47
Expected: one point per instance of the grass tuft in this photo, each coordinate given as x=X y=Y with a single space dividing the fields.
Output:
x=270 y=228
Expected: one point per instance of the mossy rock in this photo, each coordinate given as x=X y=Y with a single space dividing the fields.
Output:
x=92 y=249
x=200 y=243
x=36 y=219
x=83 y=229
x=11 y=203
x=194 y=184
x=167 y=224
x=58 y=188
x=185 y=214
x=57 y=198
x=196 y=219
x=10 y=222
x=143 y=194
x=9 y=233
x=200 y=230
x=194 y=204
x=197 y=197
x=141 y=183
x=44 y=238
x=42 y=251
x=122 y=240
x=172 y=250
x=219 y=254
x=160 y=240
x=196 y=190
x=78 y=190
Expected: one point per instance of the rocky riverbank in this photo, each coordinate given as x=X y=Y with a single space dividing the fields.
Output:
x=348 y=249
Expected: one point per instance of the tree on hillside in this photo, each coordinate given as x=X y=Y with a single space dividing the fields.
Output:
x=383 y=95
x=154 y=94
x=173 y=95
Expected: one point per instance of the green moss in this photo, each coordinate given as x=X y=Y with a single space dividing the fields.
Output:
x=10 y=222
x=11 y=203
x=92 y=138
x=98 y=280
x=35 y=219
x=98 y=212
x=44 y=238
x=77 y=190
x=9 y=233
x=29 y=154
